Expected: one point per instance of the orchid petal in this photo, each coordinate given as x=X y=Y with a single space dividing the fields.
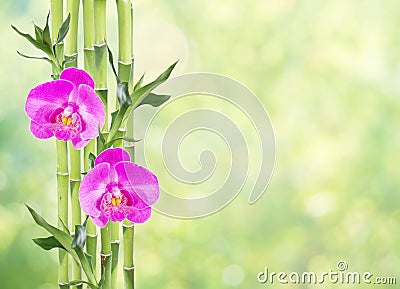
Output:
x=91 y=110
x=40 y=131
x=138 y=180
x=44 y=99
x=139 y=216
x=100 y=221
x=77 y=77
x=93 y=187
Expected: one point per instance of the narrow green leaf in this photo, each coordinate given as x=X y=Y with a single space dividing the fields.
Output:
x=65 y=227
x=80 y=236
x=80 y=282
x=68 y=59
x=39 y=45
x=61 y=236
x=46 y=38
x=62 y=32
x=35 y=57
x=123 y=96
x=139 y=94
x=101 y=137
x=38 y=33
x=155 y=100
x=139 y=83
x=113 y=117
x=111 y=60
x=111 y=142
x=92 y=159
x=48 y=243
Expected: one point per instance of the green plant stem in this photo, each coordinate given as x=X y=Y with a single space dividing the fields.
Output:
x=71 y=50
x=88 y=36
x=106 y=255
x=62 y=192
x=75 y=181
x=56 y=12
x=89 y=65
x=100 y=75
x=129 y=267
x=100 y=54
x=71 y=41
x=125 y=73
x=115 y=227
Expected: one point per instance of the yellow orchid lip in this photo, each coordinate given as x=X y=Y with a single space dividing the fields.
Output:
x=115 y=201
x=66 y=120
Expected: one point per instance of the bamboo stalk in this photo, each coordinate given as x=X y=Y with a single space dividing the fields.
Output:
x=100 y=55
x=129 y=267
x=71 y=41
x=56 y=12
x=71 y=51
x=89 y=65
x=62 y=190
x=125 y=73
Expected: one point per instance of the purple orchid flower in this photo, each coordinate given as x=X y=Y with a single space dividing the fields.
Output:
x=116 y=189
x=68 y=108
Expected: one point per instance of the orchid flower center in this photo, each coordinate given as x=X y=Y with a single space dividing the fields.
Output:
x=66 y=122
x=115 y=202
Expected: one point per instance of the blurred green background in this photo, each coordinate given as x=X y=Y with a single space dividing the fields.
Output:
x=328 y=72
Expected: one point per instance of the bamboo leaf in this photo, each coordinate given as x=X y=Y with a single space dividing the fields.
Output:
x=92 y=159
x=123 y=96
x=111 y=60
x=111 y=142
x=39 y=45
x=35 y=57
x=48 y=243
x=80 y=282
x=69 y=59
x=46 y=38
x=139 y=83
x=101 y=137
x=65 y=227
x=62 y=237
x=80 y=236
x=113 y=117
x=62 y=32
x=139 y=94
x=38 y=33
x=155 y=100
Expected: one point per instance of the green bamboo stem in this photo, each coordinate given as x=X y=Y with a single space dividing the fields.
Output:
x=115 y=227
x=89 y=65
x=106 y=255
x=88 y=36
x=100 y=74
x=125 y=73
x=129 y=267
x=91 y=237
x=71 y=41
x=100 y=53
x=75 y=182
x=56 y=12
x=71 y=51
x=62 y=192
